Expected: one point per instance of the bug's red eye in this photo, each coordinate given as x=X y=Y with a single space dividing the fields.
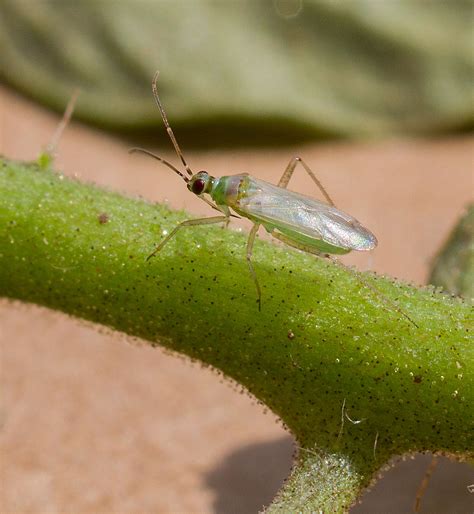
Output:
x=198 y=186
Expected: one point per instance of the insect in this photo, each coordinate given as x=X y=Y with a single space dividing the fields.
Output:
x=297 y=220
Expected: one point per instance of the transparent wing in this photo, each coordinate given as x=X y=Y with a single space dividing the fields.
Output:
x=277 y=207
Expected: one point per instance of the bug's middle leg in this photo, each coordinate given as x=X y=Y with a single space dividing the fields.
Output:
x=188 y=223
x=250 y=243
x=287 y=174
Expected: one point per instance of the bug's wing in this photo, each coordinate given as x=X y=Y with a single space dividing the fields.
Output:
x=277 y=207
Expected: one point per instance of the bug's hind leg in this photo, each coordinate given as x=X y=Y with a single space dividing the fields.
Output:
x=305 y=248
x=364 y=282
x=188 y=223
x=360 y=278
x=250 y=243
x=285 y=178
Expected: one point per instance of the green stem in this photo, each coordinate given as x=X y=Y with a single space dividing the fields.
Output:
x=321 y=342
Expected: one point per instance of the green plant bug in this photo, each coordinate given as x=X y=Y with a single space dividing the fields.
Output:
x=295 y=219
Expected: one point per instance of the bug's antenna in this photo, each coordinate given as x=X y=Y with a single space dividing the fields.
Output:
x=151 y=154
x=167 y=125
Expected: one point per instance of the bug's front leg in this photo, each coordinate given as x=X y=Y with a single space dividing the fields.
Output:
x=287 y=174
x=188 y=223
x=250 y=243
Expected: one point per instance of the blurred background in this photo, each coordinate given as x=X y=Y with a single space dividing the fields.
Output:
x=375 y=95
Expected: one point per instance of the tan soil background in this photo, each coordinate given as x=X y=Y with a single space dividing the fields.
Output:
x=92 y=424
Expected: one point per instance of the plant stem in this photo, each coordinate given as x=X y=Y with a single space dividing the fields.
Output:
x=322 y=347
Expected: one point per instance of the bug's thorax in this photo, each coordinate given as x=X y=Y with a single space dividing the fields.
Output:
x=229 y=190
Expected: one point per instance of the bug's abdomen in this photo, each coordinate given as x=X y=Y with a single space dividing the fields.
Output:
x=301 y=217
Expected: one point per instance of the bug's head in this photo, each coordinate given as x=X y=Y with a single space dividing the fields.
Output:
x=200 y=183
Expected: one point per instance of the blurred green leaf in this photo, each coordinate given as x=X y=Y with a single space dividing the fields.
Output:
x=335 y=68
x=454 y=266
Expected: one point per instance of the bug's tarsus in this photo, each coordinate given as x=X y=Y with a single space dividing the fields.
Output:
x=155 y=251
x=167 y=125
x=288 y=173
x=158 y=158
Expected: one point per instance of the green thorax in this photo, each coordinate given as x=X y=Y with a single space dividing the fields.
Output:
x=228 y=190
